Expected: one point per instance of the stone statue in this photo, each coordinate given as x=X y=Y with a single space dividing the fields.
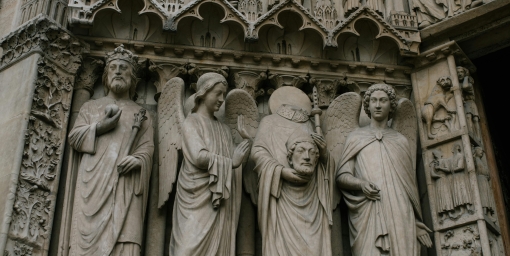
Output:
x=468 y=95
x=429 y=12
x=295 y=188
x=377 y=176
x=113 y=156
x=208 y=196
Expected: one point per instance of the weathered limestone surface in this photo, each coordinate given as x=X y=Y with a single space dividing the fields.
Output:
x=40 y=59
x=309 y=55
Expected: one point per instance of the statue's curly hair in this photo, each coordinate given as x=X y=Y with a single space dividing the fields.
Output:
x=380 y=87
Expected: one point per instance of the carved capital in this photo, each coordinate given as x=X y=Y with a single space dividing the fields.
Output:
x=279 y=80
x=44 y=36
x=196 y=72
x=326 y=89
x=250 y=82
x=165 y=72
x=88 y=74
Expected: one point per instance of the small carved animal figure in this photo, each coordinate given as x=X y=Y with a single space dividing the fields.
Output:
x=439 y=97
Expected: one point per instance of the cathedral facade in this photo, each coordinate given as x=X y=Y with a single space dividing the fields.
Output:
x=55 y=56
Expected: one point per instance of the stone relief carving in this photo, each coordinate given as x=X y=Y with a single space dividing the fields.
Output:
x=329 y=89
x=465 y=241
x=34 y=195
x=250 y=82
x=35 y=199
x=453 y=189
x=483 y=178
x=251 y=9
x=112 y=143
x=468 y=96
x=439 y=113
x=42 y=35
x=220 y=187
x=380 y=227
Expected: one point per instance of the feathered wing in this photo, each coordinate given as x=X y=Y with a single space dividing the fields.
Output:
x=342 y=117
x=405 y=122
x=170 y=119
x=239 y=102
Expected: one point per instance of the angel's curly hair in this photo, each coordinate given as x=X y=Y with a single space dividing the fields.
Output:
x=380 y=87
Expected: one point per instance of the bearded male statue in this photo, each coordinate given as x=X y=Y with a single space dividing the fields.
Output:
x=113 y=157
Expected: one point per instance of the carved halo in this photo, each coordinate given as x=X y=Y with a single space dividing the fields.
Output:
x=291 y=96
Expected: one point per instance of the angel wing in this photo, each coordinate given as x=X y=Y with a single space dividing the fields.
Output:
x=405 y=122
x=342 y=117
x=170 y=119
x=239 y=102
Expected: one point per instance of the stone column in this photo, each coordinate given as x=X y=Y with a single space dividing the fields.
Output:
x=37 y=72
x=461 y=201
x=249 y=81
x=83 y=91
x=157 y=217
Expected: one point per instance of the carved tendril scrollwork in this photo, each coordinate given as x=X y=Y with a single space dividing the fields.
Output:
x=43 y=148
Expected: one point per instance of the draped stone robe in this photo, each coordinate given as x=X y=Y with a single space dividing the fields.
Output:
x=386 y=226
x=293 y=220
x=109 y=208
x=208 y=194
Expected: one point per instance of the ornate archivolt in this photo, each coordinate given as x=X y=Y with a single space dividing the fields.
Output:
x=405 y=46
x=253 y=15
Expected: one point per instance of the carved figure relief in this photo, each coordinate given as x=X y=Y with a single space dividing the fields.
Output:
x=470 y=109
x=483 y=178
x=441 y=172
x=453 y=189
x=373 y=181
x=439 y=113
x=112 y=143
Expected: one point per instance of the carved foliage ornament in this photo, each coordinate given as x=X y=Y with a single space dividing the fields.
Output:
x=43 y=36
x=44 y=142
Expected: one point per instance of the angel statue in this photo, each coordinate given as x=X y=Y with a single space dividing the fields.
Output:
x=376 y=172
x=295 y=177
x=208 y=196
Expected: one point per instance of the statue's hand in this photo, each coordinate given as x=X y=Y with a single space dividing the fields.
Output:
x=241 y=153
x=370 y=190
x=291 y=175
x=129 y=163
x=422 y=233
x=241 y=128
x=108 y=123
x=321 y=144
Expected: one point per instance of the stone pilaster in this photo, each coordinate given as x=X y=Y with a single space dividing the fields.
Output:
x=37 y=72
x=463 y=221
